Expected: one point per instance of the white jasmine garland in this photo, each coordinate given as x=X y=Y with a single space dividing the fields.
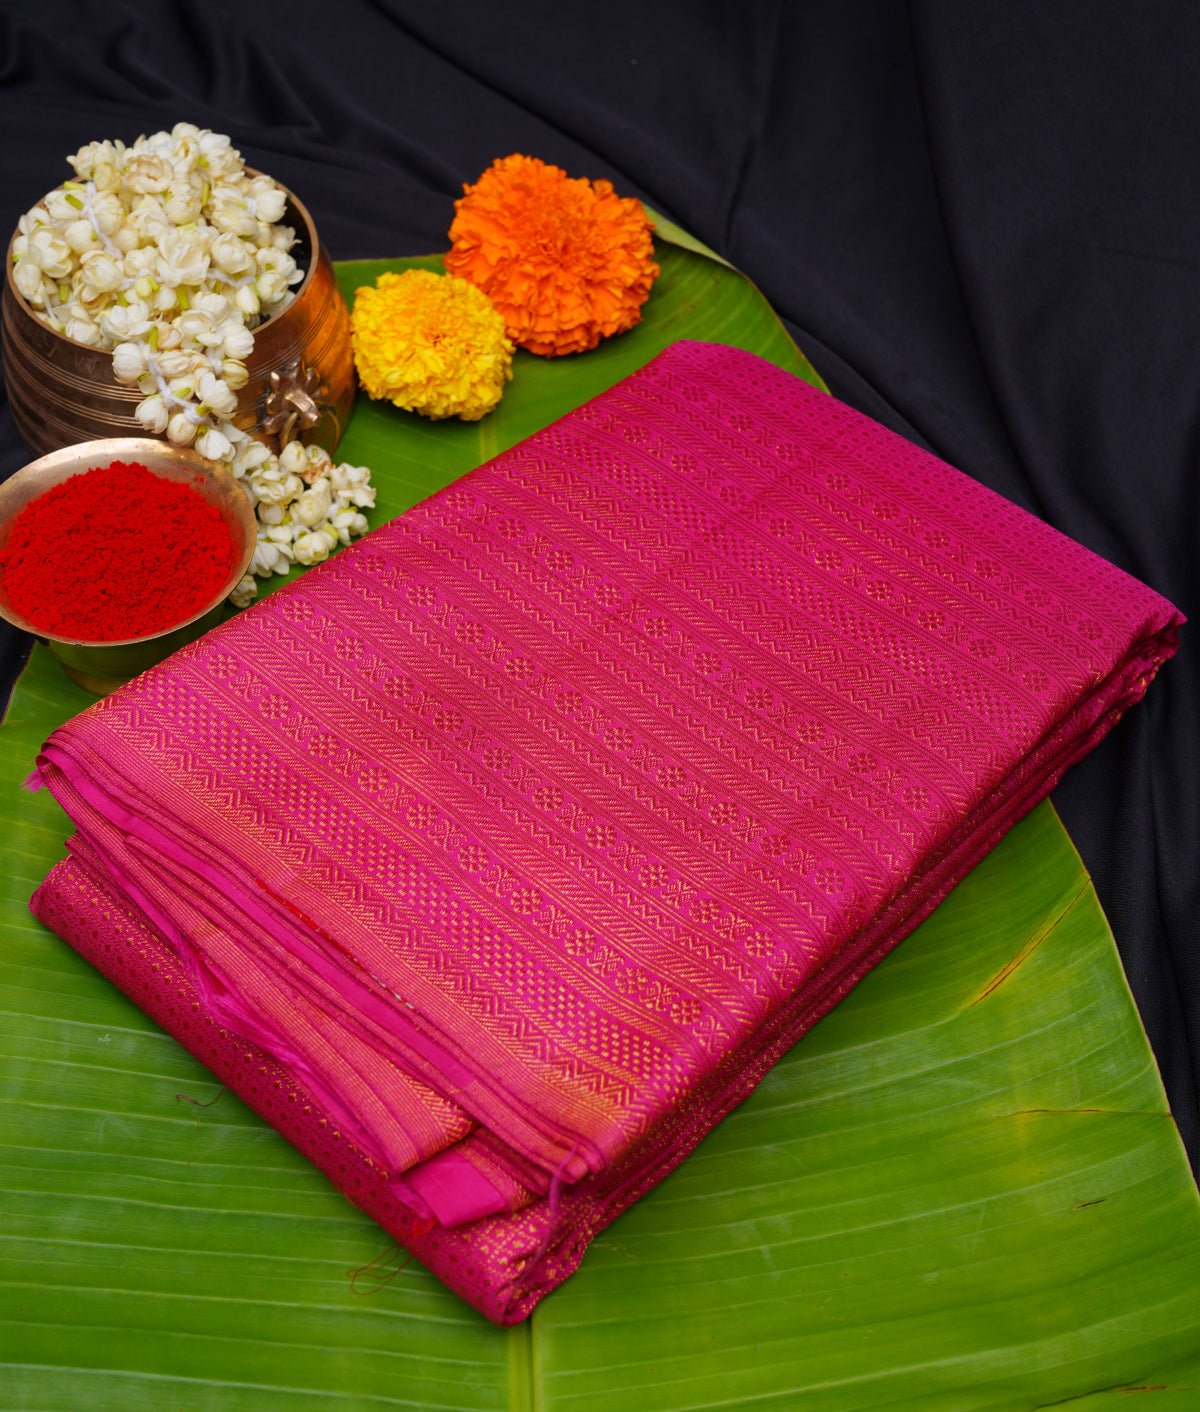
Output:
x=168 y=253
x=306 y=506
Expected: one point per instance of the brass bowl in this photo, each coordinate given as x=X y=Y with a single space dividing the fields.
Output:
x=301 y=382
x=101 y=667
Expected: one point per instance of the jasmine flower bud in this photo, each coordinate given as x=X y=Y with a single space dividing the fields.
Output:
x=352 y=486
x=146 y=173
x=269 y=201
x=88 y=161
x=312 y=548
x=81 y=236
x=175 y=363
x=247 y=301
x=215 y=394
x=140 y=261
x=27 y=276
x=62 y=205
x=236 y=374
x=244 y=593
x=277 y=261
x=152 y=413
x=82 y=331
x=232 y=212
x=265 y=557
x=348 y=523
x=129 y=362
x=181 y=429
x=199 y=327
x=270 y=286
x=107 y=178
x=270 y=557
x=252 y=456
x=320 y=462
x=214 y=445
x=108 y=215
x=125 y=238
x=229 y=254
x=314 y=504
x=183 y=260
x=293 y=459
x=237 y=341
x=150 y=223
x=182 y=206
x=121 y=322
x=270 y=490
x=215 y=305
x=102 y=272
x=51 y=252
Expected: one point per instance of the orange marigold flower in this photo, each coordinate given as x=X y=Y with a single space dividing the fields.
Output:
x=566 y=261
x=430 y=343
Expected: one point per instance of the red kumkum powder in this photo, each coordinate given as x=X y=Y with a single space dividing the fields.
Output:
x=115 y=552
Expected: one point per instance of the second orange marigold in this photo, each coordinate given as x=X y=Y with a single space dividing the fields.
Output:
x=565 y=261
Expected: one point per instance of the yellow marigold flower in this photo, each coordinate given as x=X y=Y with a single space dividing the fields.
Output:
x=430 y=343
x=566 y=261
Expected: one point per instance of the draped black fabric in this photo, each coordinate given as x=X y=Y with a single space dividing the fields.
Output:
x=979 y=221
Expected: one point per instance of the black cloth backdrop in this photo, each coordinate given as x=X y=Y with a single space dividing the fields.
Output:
x=980 y=221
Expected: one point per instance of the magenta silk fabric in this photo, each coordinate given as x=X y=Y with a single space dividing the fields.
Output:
x=498 y=858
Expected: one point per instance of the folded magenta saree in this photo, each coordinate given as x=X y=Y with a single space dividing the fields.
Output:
x=500 y=857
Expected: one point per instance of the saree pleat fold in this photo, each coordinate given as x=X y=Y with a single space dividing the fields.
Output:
x=516 y=843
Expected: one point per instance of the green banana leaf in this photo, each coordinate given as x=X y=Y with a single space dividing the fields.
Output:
x=962 y=1190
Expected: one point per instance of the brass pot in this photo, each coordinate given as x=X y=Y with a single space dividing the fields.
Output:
x=301 y=370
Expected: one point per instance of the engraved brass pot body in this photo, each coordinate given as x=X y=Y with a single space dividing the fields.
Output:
x=301 y=381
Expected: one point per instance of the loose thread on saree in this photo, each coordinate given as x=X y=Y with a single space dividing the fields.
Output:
x=556 y=1181
x=552 y=1204
x=332 y=940
x=305 y=918
x=378 y=1272
x=208 y=1103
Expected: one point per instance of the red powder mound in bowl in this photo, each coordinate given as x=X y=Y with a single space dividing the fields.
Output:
x=115 y=553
